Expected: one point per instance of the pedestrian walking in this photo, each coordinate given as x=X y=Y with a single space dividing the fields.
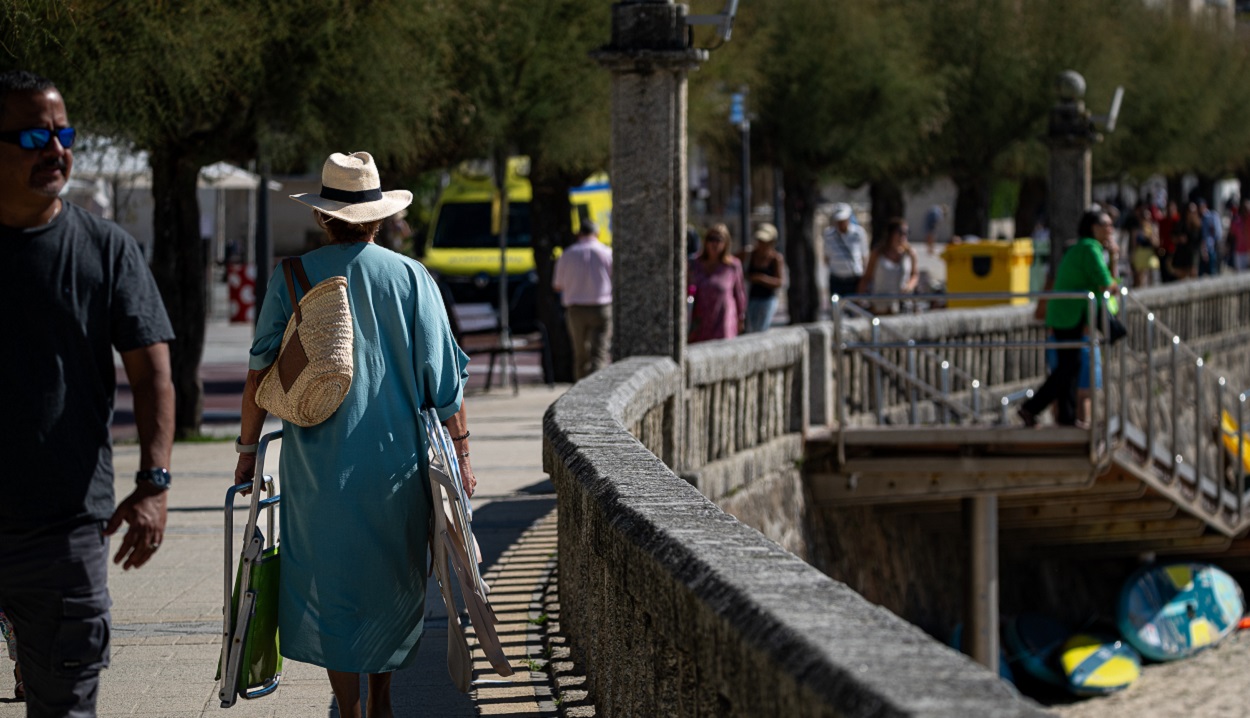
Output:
x=1171 y=224
x=355 y=509
x=78 y=289
x=765 y=273
x=932 y=220
x=892 y=268
x=1144 y=241
x=10 y=641
x=1186 y=244
x=715 y=278
x=583 y=278
x=1212 y=229
x=1083 y=268
x=1239 y=235
x=846 y=250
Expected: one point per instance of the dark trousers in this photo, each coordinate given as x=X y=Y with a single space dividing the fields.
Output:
x=1061 y=385
x=590 y=331
x=53 y=587
x=843 y=286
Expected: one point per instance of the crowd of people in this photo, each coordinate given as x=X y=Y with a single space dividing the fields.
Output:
x=1178 y=241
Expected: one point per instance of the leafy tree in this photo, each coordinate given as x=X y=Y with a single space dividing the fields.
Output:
x=842 y=97
x=537 y=92
x=200 y=81
x=1183 y=110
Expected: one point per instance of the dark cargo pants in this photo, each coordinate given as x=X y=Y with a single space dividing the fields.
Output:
x=53 y=587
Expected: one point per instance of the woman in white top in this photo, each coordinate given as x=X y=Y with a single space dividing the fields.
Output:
x=892 y=268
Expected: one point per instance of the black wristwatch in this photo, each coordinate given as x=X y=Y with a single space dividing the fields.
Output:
x=157 y=478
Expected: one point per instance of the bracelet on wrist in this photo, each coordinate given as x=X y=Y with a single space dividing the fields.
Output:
x=242 y=448
x=462 y=437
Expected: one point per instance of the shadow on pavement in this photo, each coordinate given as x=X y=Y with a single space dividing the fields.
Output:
x=425 y=688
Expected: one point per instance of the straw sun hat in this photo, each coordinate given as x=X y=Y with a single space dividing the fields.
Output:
x=351 y=191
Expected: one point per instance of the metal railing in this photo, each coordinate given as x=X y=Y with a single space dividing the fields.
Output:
x=1159 y=402
x=962 y=405
x=1177 y=405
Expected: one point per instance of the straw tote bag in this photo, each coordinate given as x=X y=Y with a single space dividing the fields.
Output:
x=313 y=371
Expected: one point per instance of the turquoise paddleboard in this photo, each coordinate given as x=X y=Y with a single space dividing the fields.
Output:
x=1174 y=611
x=1098 y=665
x=1033 y=642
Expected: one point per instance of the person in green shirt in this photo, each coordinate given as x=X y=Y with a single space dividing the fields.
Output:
x=1082 y=269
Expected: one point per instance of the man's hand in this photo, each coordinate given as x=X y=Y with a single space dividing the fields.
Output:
x=145 y=512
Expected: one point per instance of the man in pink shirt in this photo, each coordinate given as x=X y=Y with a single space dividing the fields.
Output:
x=584 y=280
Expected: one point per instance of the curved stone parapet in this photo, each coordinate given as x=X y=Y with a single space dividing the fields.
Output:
x=677 y=609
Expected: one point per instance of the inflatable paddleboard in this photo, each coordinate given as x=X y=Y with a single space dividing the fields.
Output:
x=1098 y=665
x=1174 y=611
x=1234 y=439
x=1033 y=642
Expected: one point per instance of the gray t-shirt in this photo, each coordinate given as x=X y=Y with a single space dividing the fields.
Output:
x=74 y=289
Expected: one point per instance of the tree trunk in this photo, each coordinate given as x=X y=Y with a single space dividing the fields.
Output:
x=178 y=264
x=549 y=223
x=972 y=205
x=1029 y=204
x=1206 y=190
x=1176 y=183
x=803 y=295
x=887 y=203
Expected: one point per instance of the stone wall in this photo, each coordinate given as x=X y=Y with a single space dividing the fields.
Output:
x=678 y=609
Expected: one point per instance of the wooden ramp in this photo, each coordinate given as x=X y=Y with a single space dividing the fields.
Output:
x=1051 y=497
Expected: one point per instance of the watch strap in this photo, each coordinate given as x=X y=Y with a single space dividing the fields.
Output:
x=156 y=476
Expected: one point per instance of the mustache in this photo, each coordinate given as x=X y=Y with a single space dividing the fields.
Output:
x=55 y=163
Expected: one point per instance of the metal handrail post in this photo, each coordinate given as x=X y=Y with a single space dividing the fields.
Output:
x=1123 y=372
x=1198 y=425
x=839 y=372
x=1219 y=449
x=1241 y=455
x=1150 y=386
x=1092 y=341
x=1176 y=383
x=1004 y=416
x=878 y=392
x=976 y=401
x=946 y=391
x=912 y=396
x=1106 y=388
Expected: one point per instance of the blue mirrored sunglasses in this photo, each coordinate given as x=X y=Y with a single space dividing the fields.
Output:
x=38 y=138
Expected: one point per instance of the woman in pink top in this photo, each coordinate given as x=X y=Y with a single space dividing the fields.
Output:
x=720 y=298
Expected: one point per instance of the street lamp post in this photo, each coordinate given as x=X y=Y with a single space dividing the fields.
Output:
x=738 y=117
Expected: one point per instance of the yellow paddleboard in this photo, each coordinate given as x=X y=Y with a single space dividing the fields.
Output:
x=1096 y=665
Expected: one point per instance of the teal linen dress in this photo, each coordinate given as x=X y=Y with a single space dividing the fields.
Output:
x=355 y=494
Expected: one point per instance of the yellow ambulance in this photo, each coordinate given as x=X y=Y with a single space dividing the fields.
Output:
x=462 y=246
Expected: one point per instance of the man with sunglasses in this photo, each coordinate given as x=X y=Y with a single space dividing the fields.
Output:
x=76 y=288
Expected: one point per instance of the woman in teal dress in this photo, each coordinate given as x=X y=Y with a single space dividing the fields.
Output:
x=355 y=492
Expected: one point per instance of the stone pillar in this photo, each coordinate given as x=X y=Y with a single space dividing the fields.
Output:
x=649 y=58
x=1071 y=135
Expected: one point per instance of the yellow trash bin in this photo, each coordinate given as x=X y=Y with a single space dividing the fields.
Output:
x=997 y=266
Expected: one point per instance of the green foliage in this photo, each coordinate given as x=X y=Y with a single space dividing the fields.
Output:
x=1182 y=110
x=527 y=84
x=842 y=94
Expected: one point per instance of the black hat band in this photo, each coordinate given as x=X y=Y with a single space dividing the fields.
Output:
x=342 y=195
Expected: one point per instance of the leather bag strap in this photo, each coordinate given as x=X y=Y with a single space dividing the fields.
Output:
x=293 y=266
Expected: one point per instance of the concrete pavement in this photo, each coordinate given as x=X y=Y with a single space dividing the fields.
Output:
x=167 y=615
